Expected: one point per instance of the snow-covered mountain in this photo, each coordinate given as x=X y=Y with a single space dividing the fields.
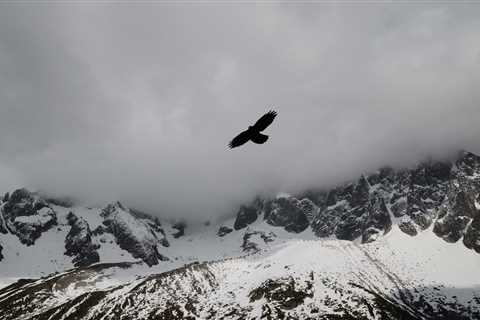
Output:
x=395 y=244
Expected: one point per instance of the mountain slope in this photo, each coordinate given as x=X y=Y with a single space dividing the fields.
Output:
x=398 y=243
x=329 y=279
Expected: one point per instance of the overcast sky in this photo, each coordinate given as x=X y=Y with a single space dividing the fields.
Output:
x=139 y=102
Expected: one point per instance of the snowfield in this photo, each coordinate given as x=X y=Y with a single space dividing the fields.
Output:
x=399 y=267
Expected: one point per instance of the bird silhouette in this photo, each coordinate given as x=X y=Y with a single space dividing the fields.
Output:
x=253 y=132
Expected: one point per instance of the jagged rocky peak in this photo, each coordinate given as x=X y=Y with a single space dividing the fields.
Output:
x=288 y=212
x=140 y=238
x=285 y=211
x=445 y=194
x=78 y=243
x=27 y=216
x=459 y=215
x=355 y=210
x=248 y=214
x=469 y=164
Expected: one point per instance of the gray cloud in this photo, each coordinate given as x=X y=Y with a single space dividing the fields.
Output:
x=139 y=102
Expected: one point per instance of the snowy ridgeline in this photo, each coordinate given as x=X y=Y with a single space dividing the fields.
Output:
x=396 y=277
x=397 y=240
x=39 y=235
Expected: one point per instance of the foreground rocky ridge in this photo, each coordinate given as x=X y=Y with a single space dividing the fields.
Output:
x=330 y=279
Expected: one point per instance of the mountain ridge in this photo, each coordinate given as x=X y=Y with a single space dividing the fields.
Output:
x=375 y=248
x=443 y=194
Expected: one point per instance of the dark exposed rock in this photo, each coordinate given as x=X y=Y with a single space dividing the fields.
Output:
x=357 y=212
x=331 y=198
x=3 y=225
x=324 y=224
x=223 y=230
x=399 y=206
x=468 y=162
x=472 y=234
x=309 y=208
x=283 y=292
x=245 y=216
x=288 y=213
x=132 y=234
x=458 y=208
x=408 y=227
x=1 y=255
x=164 y=242
x=418 y=196
x=21 y=203
x=451 y=227
x=78 y=243
x=360 y=194
x=351 y=225
x=27 y=216
x=317 y=196
x=249 y=245
x=98 y=231
x=378 y=221
x=433 y=192
x=6 y=196
x=180 y=226
x=428 y=187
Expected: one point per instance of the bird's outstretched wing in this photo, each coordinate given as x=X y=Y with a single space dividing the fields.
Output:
x=240 y=139
x=265 y=120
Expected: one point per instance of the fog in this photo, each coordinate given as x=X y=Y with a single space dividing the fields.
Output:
x=138 y=103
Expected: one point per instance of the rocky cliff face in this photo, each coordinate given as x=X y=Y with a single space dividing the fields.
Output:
x=141 y=238
x=27 y=216
x=445 y=194
x=78 y=243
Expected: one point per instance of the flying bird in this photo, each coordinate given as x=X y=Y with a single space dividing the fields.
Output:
x=253 y=132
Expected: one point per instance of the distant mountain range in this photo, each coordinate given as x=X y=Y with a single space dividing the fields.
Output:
x=394 y=244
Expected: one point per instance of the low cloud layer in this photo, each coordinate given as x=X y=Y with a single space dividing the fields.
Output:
x=139 y=102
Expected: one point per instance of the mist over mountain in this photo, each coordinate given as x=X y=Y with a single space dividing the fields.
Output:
x=394 y=244
x=137 y=103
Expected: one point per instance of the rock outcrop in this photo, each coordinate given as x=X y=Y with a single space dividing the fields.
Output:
x=78 y=243
x=223 y=230
x=132 y=234
x=245 y=216
x=27 y=216
x=445 y=194
x=289 y=213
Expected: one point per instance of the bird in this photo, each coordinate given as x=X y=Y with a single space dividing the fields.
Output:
x=253 y=132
